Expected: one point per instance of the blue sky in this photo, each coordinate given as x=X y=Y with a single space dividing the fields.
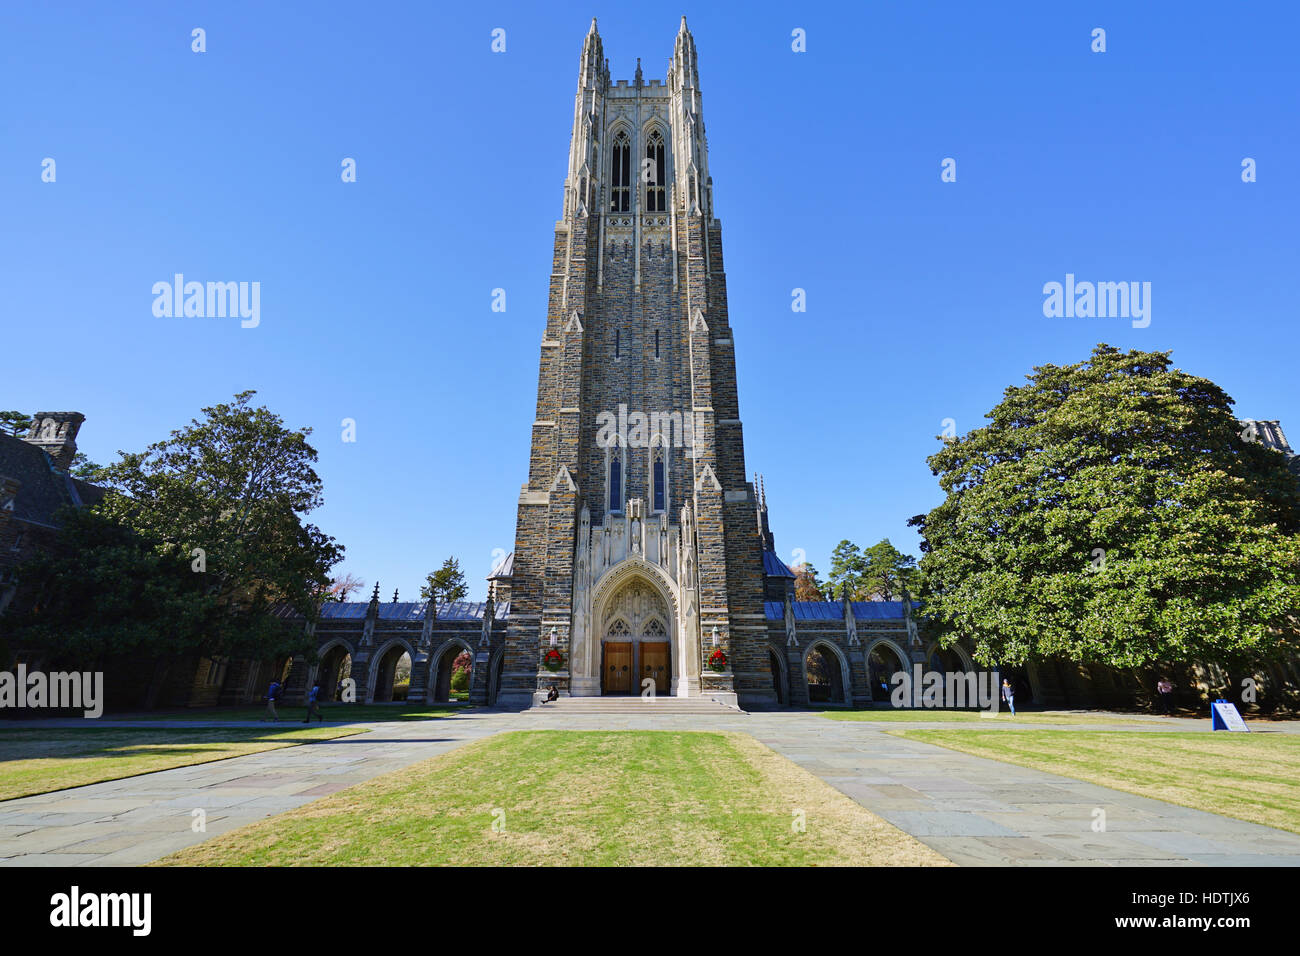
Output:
x=924 y=298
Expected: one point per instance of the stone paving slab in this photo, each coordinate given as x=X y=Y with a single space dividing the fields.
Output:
x=973 y=810
x=140 y=819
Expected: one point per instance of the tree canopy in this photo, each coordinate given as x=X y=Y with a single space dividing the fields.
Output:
x=1111 y=512
x=807 y=586
x=445 y=585
x=222 y=499
x=880 y=573
x=15 y=423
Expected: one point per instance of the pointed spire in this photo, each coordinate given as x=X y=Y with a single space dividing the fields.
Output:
x=683 y=26
x=394 y=595
x=374 y=598
x=638 y=72
x=592 y=31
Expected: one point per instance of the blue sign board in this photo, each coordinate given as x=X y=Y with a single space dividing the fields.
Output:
x=1224 y=716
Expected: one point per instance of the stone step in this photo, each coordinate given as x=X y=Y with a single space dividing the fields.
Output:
x=637 y=705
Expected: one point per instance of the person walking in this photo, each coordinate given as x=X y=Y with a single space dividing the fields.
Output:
x=1009 y=695
x=313 y=704
x=272 y=693
x=1165 y=694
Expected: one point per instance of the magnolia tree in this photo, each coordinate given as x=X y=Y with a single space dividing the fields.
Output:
x=1113 y=512
x=200 y=537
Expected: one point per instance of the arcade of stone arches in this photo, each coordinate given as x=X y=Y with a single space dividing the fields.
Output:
x=397 y=671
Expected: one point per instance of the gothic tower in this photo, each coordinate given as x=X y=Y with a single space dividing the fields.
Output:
x=637 y=551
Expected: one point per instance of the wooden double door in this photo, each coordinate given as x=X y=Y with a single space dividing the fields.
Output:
x=626 y=665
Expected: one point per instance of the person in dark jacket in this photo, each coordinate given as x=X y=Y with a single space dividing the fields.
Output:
x=272 y=694
x=313 y=704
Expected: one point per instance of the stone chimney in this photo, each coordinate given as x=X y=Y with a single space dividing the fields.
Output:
x=56 y=433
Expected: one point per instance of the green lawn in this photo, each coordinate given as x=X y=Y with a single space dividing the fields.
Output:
x=38 y=761
x=1001 y=718
x=1253 y=777
x=349 y=713
x=578 y=798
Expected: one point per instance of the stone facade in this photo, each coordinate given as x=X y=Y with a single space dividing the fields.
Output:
x=636 y=480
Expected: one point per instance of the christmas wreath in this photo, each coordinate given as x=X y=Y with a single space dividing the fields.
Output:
x=552 y=660
x=718 y=660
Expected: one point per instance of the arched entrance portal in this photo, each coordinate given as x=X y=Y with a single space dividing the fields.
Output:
x=443 y=670
x=636 y=650
x=825 y=675
x=883 y=662
x=387 y=677
x=778 y=676
x=335 y=667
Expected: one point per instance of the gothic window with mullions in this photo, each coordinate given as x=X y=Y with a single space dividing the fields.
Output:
x=621 y=189
x=615 y=481
x=655 y=200
x=659 y=493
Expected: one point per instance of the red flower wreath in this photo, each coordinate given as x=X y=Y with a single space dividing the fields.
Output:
x=718 y=660
x=552 y=660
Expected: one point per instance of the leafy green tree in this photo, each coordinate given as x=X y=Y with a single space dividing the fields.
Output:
x=84 y=468
x=1111 y=512
x=445 y=585
x=887 y=573
x=228 y=492
x=15 y=423
x=847 y=570
x=107 y=591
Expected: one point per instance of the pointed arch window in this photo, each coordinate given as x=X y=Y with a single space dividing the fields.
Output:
x=658 y=475
x=654 y=191
x=621 y=180
x=615 y=481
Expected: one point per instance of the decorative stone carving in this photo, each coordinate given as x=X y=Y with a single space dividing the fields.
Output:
x=640 y=609
x=913 y=634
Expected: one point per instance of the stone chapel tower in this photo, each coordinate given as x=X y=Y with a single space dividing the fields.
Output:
x=637 y=551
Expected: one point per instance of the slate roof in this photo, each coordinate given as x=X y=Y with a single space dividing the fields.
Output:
x=504 y=570
x=406 y=611
x=834 y=611
x=774 y=567
x=44 y=490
